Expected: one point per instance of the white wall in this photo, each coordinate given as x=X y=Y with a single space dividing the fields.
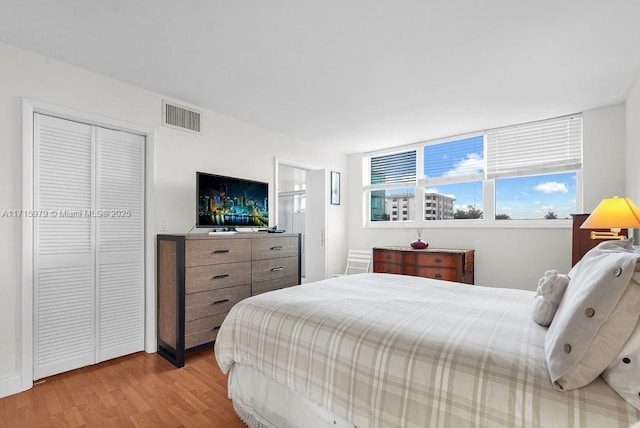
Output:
x=604 y=148
x=227 y=146
x=632 y=111
x=513 y=257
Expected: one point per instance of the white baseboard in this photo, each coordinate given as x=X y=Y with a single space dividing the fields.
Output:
x=10 y=385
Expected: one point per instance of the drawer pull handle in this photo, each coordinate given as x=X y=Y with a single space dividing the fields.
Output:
x=438 y=260
x=277 y=247
x=438 y=276
x=220 y=251
x=217 y=302
x=276 y=269
x=216 y=328
x=221 y=276
x=388 y=257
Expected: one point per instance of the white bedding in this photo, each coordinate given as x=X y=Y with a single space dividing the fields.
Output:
x=381 y=350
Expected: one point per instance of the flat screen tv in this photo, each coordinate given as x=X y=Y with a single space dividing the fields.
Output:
x=231 y=202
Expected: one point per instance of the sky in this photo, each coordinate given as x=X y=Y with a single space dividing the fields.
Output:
x=520 y=198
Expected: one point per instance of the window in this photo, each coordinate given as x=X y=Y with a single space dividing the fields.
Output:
x=453 y=174
x=392 y=177
x=522 y=172
x=550 y=196
x=535 y=168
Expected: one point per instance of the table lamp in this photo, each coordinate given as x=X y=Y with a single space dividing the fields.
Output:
x=613 y=214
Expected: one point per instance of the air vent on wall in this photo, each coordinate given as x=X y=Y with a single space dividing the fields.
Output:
x=179 y=117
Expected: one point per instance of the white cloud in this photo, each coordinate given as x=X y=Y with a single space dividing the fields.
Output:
x=552 y=187
x=472 y=164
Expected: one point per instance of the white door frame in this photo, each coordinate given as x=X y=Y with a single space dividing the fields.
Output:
x=29 y=107
x=316 y=227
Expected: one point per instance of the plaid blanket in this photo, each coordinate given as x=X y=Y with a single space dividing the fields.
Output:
x=384 y=350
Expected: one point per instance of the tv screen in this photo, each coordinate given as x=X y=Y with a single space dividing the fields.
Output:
x=230 y=202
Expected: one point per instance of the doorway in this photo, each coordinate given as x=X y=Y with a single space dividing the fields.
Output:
x=301 y=208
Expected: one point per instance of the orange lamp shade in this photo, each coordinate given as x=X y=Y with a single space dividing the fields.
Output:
x=615 y=214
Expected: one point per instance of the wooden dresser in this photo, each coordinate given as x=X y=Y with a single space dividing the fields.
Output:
x=200 y=277
x=437 y=263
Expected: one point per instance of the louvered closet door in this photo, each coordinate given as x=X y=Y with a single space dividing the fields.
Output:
x=64 y=257
x=88 y=250
x=120 y=243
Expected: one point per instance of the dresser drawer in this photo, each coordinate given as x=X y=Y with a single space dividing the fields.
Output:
x=264 y=270
x=203 y=330
x=273 y=284
x=446 y=274
x=438 y=259
x=388 y=268
x=213 y=251
x=382 y=256
x=275 y=247
x=208 y=303
x=211 y=277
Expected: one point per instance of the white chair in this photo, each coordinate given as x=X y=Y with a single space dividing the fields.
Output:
x=358 y=261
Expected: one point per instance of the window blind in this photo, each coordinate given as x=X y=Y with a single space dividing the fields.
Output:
x=394 y=168
x=549 y=146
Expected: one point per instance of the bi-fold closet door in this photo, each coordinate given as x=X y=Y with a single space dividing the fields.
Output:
x=88 y=244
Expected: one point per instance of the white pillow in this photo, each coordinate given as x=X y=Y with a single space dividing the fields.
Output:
x=597 y=315
x=551 y=288
x=623 y=374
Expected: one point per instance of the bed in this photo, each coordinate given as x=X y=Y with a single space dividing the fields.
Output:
x=382 y=350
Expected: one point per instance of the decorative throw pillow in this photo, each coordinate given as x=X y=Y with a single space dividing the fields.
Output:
x=550 y=290
x=623 y=374
x=596 y=316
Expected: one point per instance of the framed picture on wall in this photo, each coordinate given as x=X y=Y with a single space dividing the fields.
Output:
x=335 y=188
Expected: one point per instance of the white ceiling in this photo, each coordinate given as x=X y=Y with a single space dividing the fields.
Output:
x=350 y=75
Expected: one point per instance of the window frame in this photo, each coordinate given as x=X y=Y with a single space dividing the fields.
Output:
x=488 y=189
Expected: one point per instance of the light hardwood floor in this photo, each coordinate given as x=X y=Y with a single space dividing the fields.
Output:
x=139 y=390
